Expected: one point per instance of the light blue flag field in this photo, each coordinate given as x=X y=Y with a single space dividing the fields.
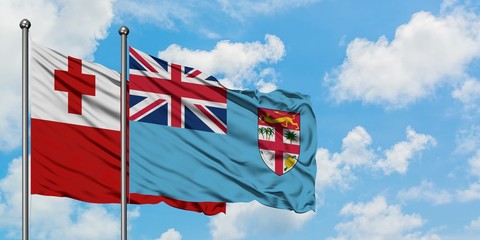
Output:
x=194 y=140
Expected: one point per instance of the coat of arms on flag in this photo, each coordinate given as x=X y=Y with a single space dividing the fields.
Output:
x=279 y=139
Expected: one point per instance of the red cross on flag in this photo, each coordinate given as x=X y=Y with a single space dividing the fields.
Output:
x=75 y=84
x=75 y=132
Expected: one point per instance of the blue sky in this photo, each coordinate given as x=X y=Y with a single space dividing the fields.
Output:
x=394 y=85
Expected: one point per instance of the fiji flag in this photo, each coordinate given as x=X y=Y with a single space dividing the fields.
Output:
x=194 y=140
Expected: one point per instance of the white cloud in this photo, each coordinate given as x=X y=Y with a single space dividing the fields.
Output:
x=474 y=163
x=244 y=9
x=175 y=16
x=331 y=171
x=134 y=213
x=265 y=87
x=160 y=12
x=241 y=69
x=170 y=234
x=53 y=217
x=468 y=93
x=420 y=236
x=245 y=219
x=73 y=27
x=470 y=194
x=425 y=191
x=172 y=14
x=355 y=150
x=337 y=168
x=448 y=5
x=471 y=231
x=468 y=140
x=377 y=220
x=411 y=66
x=268 y=80
x=11 y=196
x=90 y=222
x=398 y=157
x=473 y=226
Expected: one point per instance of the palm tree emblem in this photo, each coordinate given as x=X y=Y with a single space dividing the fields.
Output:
x=266 y=131
x=261 y=131
x=291 y=136
x=269 y=132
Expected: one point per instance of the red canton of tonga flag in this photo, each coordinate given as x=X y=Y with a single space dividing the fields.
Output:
x=279 y=139
x=173 y=95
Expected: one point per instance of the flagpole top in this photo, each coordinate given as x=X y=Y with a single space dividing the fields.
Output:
x=25 y=24
x=123 y=30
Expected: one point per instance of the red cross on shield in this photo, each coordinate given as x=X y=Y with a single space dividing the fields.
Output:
x=279 y=139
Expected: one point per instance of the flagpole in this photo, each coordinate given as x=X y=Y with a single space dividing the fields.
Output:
x=123 y=31
x=25 y=26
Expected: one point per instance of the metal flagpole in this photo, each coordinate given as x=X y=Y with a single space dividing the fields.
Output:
x=123 y=31
x=25 y=26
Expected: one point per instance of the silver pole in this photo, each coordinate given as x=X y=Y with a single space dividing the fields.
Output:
x=123 y=31
x=25 y=26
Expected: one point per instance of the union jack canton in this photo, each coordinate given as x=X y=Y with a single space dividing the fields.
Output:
x=174 y=95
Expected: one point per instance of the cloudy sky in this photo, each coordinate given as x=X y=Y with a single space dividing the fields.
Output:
x=395 y=87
